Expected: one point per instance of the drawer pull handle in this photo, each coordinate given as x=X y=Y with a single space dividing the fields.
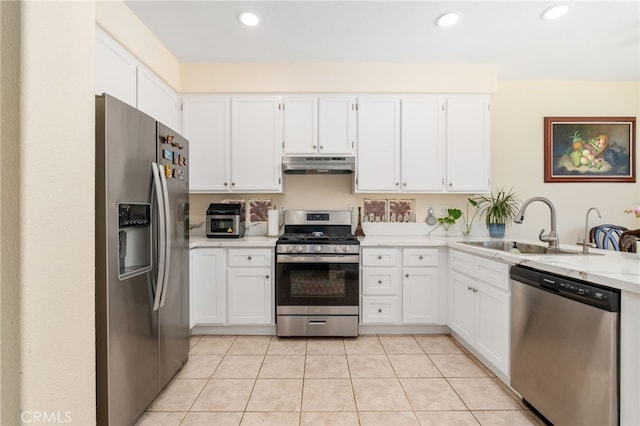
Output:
x=317 y=322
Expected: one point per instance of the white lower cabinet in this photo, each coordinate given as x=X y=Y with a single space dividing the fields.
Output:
x=207 y=286
x=231 y=286
x=399 y=285
x=479 y=311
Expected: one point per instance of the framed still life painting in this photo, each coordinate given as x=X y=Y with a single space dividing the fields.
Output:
x=589 y=149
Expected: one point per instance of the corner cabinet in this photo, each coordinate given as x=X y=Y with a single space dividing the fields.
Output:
x=479 y=310
x=468 y=144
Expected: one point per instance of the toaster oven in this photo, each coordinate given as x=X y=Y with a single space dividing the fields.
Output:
x=225 y=220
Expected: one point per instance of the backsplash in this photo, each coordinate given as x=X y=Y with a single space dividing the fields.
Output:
x=335 y=192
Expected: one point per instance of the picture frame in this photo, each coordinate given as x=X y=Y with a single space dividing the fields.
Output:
x=589 y=149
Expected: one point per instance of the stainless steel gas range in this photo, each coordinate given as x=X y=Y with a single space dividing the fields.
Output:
x=317 y=275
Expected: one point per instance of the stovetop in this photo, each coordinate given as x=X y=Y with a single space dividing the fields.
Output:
x=317 y=238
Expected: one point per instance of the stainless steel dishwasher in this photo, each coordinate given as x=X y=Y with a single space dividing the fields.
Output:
x=564 y=347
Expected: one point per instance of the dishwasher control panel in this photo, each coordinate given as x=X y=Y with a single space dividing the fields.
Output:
x=583 y=291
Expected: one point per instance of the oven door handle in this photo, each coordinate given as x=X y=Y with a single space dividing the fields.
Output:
x=317 y=259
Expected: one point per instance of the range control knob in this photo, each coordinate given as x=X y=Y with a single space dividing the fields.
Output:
x=317 y=249
x=289 y=249
x=298 y=249
x=336 y=249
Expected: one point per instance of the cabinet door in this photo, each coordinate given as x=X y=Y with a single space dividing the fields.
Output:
x=207 y=286
x=378 y=160
x=462 y=315
x=492 y=328
x=250 y=299
x=420 y=295
x=468 y=144
x=206 y=126
x=256 y=164
x=116 y=69
x=336 y=125
x=300 y=125
x=157 y=99
x=423 y=131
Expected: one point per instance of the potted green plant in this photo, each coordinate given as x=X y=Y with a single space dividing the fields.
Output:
x=499 y=210
x=450 y=218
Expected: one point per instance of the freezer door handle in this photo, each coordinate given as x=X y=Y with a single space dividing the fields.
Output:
x=156 y=172
x=167 y=234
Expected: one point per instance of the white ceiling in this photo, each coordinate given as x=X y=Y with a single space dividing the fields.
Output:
x=596 y=40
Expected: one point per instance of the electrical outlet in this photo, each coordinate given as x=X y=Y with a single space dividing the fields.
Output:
x=282 y=209
x=352 y=208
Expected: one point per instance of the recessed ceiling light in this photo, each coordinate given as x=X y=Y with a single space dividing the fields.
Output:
x=448 y=19
x=555 y=12
x=250 y=19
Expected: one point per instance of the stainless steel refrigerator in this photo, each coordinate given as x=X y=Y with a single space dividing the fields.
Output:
x=142 y=262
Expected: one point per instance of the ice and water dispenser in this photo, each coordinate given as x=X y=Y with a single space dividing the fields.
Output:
x=134 y=239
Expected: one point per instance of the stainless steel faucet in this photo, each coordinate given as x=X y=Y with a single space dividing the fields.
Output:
x=585 y=244
x=552 y=237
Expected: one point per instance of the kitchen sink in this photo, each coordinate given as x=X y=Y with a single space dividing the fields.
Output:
x=519 y=247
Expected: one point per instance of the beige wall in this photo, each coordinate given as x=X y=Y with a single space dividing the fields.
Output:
x=9 y=214
x=47 y=214
x=117 y=20
x=338 y=77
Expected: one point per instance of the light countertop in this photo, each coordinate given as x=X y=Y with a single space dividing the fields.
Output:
x=610 y=268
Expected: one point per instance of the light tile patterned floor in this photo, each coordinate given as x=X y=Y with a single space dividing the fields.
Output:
x=368 y=380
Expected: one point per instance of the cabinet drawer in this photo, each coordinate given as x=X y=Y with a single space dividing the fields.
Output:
x=462 y=262
x=420 y=257
x=380 y=281
x=380 y=310
x=249 y=257
x=379 y=257
x=492 y=272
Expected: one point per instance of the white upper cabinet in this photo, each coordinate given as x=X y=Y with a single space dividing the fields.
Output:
x=256 y=153
x=468 y=144
x=235 y=143
x=378 y=158
x=116 y=69
x=206 y=126
x=319 y=125
x=336 y=125
x=423 y=139
x=300 y=125
x=158 y=100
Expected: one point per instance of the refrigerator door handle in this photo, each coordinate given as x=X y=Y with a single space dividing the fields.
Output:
x=162 y=227
x=167 y=235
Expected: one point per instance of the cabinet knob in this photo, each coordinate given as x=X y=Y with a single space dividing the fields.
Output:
x=233 y=184
x=404 y=183
x=248 y=257
x=406 y=275
x=379 y=257
x=397 y=183
x=379 y=310
x=226 y=184
x=420 y=257
x=314 y=146
x=379 y=281
x=450 y=184
x=266 y=276
x=321 y=147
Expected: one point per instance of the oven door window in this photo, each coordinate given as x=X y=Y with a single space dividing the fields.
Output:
x=322 y=284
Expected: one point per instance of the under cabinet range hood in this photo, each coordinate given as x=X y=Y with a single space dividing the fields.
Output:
x=318 y=165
